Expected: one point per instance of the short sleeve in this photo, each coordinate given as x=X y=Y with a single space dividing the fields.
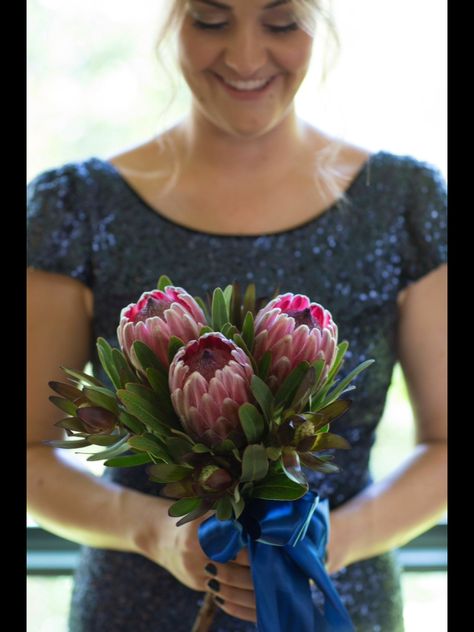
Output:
x=424 y=244
x=58 y=225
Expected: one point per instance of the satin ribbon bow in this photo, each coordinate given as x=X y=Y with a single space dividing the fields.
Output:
x=286 y=541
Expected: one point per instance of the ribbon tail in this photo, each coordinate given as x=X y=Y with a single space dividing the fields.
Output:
x=282 y=591
x=336 y=616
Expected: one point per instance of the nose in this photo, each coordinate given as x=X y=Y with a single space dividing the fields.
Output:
x=245 y=52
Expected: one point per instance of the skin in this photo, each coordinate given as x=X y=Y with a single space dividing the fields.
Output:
x=252 y=145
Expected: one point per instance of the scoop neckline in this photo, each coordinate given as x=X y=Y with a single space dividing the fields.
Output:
x=327 y=211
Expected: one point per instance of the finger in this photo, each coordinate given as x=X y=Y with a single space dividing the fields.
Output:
x=242 y=557
x=236 y=596
x=231 y=574
x=247 y=614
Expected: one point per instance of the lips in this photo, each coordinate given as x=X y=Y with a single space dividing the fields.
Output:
x=254 y=85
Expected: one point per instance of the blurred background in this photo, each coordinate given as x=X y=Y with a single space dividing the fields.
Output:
x=95 y=88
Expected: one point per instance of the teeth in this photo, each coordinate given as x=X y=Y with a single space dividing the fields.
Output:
x=247 y=85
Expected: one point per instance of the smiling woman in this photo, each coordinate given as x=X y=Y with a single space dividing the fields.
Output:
x=241 y=188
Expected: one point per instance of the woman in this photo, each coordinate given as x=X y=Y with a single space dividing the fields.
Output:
x=240 y=189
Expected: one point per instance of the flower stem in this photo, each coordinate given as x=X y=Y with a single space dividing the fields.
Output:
x=205 y=616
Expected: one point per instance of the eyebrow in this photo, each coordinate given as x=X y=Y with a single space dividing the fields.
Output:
x=226 y=7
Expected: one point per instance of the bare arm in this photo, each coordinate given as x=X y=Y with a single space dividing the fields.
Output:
x=62 y=497
x=393 y=511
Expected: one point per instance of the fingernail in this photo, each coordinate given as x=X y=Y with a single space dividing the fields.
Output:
x=219 y=600
x=214 y=585
x=211 y=569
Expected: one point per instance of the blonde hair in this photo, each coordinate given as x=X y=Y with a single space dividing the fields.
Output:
x=312 y=16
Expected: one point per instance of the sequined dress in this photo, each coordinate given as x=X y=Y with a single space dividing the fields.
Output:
x=86 y=222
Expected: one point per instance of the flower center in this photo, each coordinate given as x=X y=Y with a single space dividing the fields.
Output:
x=304 y=317
x=206 y=361
x=153 y=307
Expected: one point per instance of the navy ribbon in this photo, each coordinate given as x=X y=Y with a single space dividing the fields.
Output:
x=287 y=542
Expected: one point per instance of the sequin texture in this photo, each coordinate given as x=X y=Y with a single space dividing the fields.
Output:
x=86 y=222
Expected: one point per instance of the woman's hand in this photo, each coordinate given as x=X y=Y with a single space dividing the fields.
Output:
x=178 y=550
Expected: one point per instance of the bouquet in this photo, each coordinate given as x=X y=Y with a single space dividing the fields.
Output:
x=226 y=400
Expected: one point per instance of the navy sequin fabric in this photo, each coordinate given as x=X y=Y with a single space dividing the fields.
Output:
x=86 y=222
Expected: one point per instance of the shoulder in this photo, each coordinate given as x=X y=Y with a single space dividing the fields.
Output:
x=62 y=181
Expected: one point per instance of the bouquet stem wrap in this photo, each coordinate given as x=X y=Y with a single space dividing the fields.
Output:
x=286 y=541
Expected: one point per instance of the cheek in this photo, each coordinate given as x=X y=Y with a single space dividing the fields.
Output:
x=195 y=52
x=296 y=57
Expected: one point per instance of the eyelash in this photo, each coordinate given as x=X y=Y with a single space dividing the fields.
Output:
x=273 y=29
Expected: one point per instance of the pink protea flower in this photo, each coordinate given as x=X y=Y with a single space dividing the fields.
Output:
x=294 y=329
x=209 y=379
x=155 y=318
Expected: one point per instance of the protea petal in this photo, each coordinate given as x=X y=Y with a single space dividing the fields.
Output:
x=156 y=317
x=209 y=378
x=294 y=329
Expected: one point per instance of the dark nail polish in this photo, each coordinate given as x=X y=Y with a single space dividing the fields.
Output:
x=214 y=585
x=219 y=600
x=211 y=569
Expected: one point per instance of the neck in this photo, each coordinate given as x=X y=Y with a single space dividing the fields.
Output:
x=209 y=147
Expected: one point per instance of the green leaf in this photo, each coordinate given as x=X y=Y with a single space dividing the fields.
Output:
x=149 y=399
x=68 y=391
x=251 y=421
x=63 y=404
x=224 y=508
x=119 y=447
x=304 y=390
x=205 y=330
x=318 y=464
x=204 y=308
x=229 y=330
x=147 y=358
x=163 y=281
x=178 y=447
x=71 y=423
x=228 y=296
x=131 y=422
x=263 y=395
x=273 y=453
x=340 y=353
x=321 y=394
x=123 y=368
x=103 y=440
x=248 y=330
x=183 y=507
x=237 y=505
x=334 y=394
x=141 y=409
x=236 y=306
x=290 y=463
x=200 y=448
x=249 y=299
x=75 y=443
x=174 y=344
x=219 y=309
x=286 y=391
x=146 y=444
x=168 y=472
x=254 y=463
x=329 y=440
x=264 y=366
x=237 y=338
x=80 y=376
x=203 y=508
x=129 y=461
x=104 y=351
x=102 y=397
x=279 y=487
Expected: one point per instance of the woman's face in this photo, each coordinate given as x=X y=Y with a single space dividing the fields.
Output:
x=255 y=45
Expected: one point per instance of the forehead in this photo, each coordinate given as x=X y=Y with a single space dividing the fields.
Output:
x=234 y=4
